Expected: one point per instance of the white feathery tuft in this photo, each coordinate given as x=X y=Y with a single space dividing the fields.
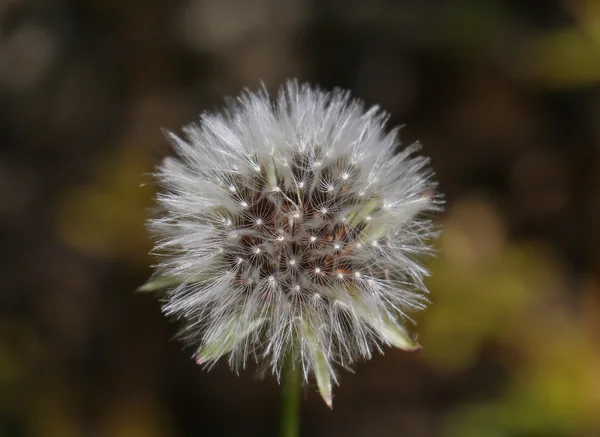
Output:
x=293 y=230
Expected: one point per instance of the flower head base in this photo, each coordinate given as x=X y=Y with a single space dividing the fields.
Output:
x=292 y=231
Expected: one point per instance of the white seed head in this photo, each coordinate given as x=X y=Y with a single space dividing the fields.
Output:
x=319 y=218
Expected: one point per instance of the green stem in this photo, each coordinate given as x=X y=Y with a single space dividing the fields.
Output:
x=290 y=413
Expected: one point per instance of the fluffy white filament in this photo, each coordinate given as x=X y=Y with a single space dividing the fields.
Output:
x=293 y=228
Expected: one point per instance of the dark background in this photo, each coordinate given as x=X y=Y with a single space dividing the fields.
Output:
x=504 y=96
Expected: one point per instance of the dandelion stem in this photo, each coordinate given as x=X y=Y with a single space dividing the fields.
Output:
x=290 y=413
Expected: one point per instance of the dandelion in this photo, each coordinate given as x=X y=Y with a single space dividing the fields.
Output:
x=290 y=232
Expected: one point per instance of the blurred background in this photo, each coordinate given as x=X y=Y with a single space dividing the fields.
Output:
x=504 y=96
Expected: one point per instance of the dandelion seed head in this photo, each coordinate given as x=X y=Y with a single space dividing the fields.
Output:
x=294 y=227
